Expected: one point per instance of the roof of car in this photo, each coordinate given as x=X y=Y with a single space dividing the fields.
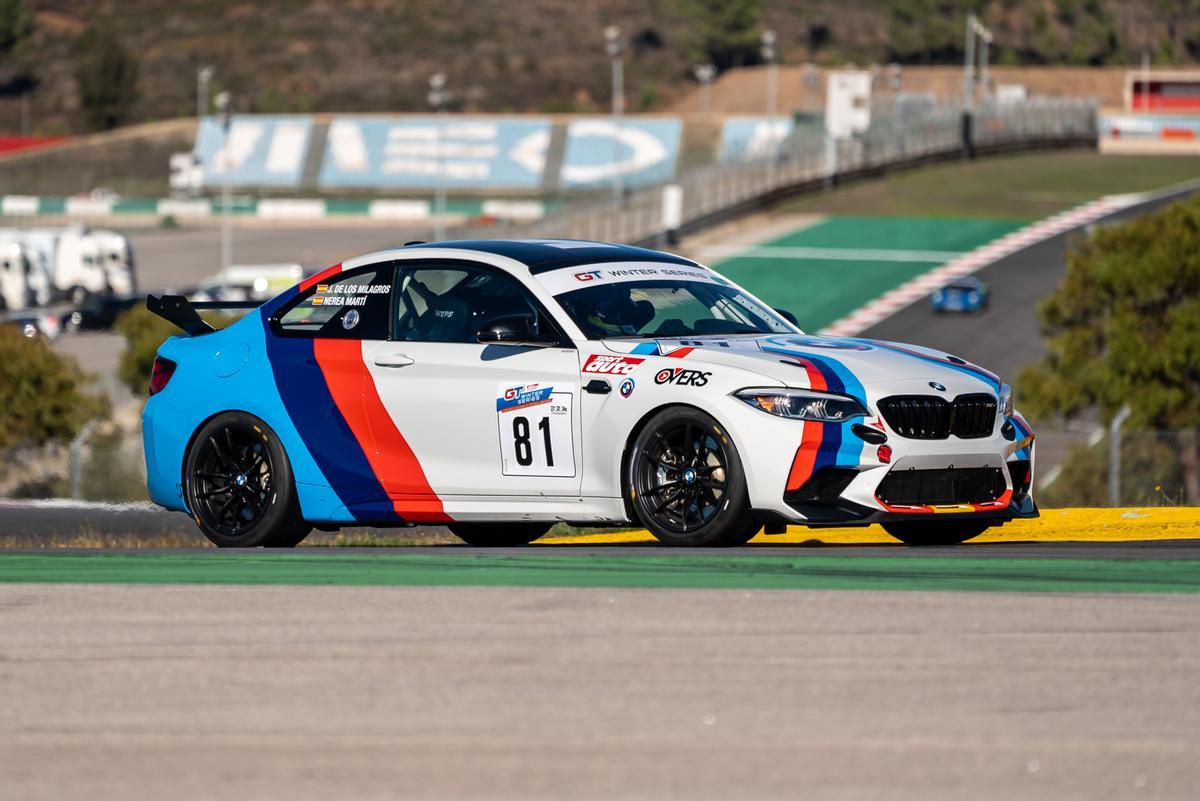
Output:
x=964 y=282
x=542 y=255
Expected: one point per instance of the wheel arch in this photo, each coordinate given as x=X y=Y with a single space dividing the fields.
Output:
x=636 y=430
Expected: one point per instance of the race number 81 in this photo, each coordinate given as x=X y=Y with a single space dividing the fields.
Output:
x=536 y=440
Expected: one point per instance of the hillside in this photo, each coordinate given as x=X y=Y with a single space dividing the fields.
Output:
x=537 y=55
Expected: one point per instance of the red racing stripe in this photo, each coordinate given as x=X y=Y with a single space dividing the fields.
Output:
x=391 y=459
x=816 y=380
x=324 y=275
x=810 y=437
x=806 y=455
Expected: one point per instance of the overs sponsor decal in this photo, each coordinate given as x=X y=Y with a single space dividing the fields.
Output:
x=523 y=396
x=605 y=364
x=681 y=377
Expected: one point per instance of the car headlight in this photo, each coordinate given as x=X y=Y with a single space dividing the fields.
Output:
x=1006 y=400
x=802 y=404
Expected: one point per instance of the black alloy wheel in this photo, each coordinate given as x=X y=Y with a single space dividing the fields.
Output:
x=685 y=481
x=239 y=485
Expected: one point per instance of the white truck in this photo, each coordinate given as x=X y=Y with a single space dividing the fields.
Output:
x=22 y=283
x=78 y=261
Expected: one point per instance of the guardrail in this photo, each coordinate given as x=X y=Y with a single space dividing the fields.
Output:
x=714 y=192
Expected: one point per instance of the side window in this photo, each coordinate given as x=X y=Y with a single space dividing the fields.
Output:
x=352 y=306
x=450 y=304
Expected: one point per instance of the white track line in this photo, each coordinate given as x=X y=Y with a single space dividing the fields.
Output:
x=908 y=293
x=834 y=254
x=67 y=503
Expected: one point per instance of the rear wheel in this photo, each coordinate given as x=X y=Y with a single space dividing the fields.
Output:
x=935 y=532
x=239 y=486
x=685 y=481
x=498 y=535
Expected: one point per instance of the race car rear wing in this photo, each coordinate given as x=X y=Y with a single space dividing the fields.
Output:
x=180 y=311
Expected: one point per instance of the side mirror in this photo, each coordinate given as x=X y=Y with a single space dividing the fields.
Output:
x=787 y=315
x=513 y=329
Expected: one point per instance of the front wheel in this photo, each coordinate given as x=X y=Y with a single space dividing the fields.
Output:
x=685 y=481
x=239 y=487
x=498 y=535
x=935 y=532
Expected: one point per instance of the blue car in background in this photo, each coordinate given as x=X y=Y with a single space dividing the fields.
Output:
x=964 y=295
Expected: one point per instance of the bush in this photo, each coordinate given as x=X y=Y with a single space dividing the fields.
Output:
x=144 y=331
x=46 y=396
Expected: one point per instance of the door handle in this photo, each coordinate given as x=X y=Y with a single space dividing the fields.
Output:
x=597 y=387
x=392 y=360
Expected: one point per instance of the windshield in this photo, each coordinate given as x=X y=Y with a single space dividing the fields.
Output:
x=668 y=308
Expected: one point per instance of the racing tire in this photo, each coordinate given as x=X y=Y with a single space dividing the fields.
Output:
x=685 y=482
x=498 y=535
x=239 y=487
x=936 y=532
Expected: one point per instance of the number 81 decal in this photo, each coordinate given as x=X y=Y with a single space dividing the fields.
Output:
x=535 y=431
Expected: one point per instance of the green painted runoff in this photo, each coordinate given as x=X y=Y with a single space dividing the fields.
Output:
x=674 y=572
x=820 y=291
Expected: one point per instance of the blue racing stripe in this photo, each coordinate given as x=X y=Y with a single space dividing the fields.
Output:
x=326 y=434
x=987 y=377
x=838 y=445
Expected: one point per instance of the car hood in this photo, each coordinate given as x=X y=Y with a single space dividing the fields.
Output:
x=839 y=364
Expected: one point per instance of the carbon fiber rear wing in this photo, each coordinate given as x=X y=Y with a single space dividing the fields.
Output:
x=180 y=311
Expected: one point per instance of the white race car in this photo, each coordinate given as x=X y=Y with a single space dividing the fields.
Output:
x=498 y=387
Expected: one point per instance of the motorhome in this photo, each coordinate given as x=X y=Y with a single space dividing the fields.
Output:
x=78 y=262
x=14 y=276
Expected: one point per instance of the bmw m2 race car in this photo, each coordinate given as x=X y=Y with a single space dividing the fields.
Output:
x=499 y=387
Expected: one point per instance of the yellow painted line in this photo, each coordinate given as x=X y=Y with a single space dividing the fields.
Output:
x=1055 y=525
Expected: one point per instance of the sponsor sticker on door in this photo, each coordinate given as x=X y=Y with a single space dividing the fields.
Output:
x=606 y=364
x=536 y=431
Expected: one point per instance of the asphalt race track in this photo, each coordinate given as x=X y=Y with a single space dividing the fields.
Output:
x=1006 y=337
x=193 y=692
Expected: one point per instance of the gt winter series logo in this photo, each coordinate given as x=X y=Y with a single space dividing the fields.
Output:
x=611 y=365
x=681 y=377
x=523 y=396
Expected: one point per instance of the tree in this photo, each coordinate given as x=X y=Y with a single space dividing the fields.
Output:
x=929 y=31
x=45 y=396
x=16 y=23
x=726 y=32
x=107 y=76
x=1124 y=328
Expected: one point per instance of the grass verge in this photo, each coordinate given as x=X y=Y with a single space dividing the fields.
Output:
x=1029 y=186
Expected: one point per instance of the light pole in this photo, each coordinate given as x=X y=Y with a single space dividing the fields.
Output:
x=770 y=55
x=204 y=77
x=976 y=49
x=439 y=97
x=224 y=104
x=977 y=37
x=812 y=80
x=985 y=41
x=704 y=74
x=969 y=67
x=612 y=43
